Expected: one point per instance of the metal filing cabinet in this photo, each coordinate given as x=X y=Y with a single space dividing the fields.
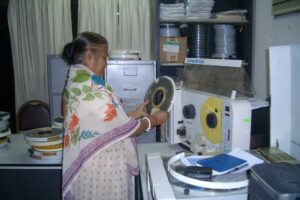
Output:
x=130 y=80
x=57 y=73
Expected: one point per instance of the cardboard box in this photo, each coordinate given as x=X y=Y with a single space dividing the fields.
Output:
x=173 y=49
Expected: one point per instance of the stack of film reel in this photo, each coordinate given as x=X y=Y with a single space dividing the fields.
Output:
x=58 y=122
x=4 y=130
x=46 y=144
x=197 y=41
x=224 y=41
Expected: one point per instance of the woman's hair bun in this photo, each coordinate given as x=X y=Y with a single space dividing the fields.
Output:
x=68 y=52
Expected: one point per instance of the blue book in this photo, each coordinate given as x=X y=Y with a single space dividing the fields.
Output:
x=223 y=163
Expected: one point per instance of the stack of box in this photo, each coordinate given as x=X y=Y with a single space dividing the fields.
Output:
x=46 y=144
x=4 y=130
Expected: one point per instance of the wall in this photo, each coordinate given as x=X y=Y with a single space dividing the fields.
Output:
x=270 y=31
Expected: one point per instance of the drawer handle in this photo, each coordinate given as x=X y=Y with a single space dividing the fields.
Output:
x=130 y=89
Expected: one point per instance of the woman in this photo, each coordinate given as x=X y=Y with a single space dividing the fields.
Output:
x=99 y=153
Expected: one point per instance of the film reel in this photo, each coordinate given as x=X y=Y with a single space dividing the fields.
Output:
x=210 y=119
x=160 y=94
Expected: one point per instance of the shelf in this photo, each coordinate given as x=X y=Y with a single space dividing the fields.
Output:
x=200 y=20
x=230 y=12
x=171 y=64
x=182 y=64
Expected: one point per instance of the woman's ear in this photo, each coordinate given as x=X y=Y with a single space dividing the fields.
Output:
x=87 y=61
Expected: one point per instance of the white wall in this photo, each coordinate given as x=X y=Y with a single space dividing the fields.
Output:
x=270 y=31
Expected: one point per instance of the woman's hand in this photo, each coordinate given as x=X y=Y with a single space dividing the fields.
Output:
x=140 y=111
x=158 y=117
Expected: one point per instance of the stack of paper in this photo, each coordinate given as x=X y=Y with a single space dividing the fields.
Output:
x=199 y=8
x=235 y=161
x=231 y=15
x=171 y=11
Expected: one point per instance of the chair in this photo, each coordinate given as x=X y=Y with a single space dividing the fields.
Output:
x=33 y=114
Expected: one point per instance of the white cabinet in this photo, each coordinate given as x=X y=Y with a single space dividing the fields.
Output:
x=285 y=98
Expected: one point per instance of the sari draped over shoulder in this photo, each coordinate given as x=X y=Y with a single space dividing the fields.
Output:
x=94 y=121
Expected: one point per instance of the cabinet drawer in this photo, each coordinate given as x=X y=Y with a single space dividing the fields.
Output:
x=130 y=80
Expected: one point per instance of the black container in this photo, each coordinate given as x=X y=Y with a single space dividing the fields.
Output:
x=278 y=181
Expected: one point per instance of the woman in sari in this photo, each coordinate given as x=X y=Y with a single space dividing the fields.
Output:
x=99 y=156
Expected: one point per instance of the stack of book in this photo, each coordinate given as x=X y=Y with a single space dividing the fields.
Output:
x=235 y=161
x=223 y=163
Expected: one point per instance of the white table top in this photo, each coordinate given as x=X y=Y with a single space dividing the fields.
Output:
x=17 y=156
x=164 y=149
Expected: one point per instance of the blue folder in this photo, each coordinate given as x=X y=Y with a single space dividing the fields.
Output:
x=223 y=163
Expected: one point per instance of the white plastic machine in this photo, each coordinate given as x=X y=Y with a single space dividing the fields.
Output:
x=211 y=114
x=162 y=186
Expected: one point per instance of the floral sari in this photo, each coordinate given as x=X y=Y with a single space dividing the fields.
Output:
x=96 y=134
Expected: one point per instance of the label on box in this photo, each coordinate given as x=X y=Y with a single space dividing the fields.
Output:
x=171 y=46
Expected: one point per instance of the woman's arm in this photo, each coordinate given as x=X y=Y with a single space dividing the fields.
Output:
x=139 y=112
x=148 y=121
x=157 y=118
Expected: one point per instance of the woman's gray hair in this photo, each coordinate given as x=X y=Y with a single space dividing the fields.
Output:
x=74 y=51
